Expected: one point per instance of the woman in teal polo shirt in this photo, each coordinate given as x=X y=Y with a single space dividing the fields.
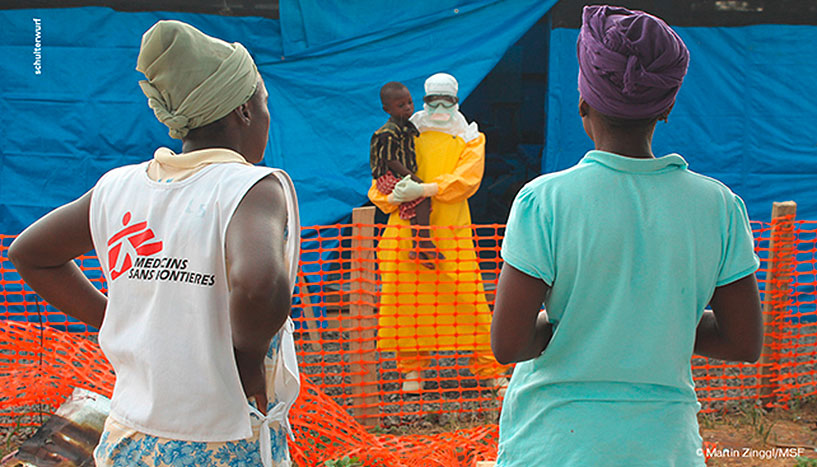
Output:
x=625 y=250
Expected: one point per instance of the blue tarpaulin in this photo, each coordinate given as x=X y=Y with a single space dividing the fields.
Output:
x=746 y=113
x=323 y=67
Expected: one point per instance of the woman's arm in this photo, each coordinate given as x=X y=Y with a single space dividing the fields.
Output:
x=733 y=330
x=519 y=331
x=260 y=292
x=43 y=255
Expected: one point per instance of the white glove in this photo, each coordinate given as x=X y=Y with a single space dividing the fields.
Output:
x=408 y=190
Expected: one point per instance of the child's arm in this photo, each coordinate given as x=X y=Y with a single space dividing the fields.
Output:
x=43 y=255
x=733 y=330
x=401 y=171
x=519 y=331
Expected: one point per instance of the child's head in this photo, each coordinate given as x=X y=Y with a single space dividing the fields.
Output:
x=631 y=64
x=396 y=100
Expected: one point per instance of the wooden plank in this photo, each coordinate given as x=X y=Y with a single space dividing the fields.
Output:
x=777 y=280
x=362 y=321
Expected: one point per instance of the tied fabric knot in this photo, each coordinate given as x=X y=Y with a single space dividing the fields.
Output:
x=177 y=123
x=286 y=385
x=636 y=76
x=616 y=41
x=278 y=413
x=635 y=73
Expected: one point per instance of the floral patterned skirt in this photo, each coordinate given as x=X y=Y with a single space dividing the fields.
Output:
x=121 y=446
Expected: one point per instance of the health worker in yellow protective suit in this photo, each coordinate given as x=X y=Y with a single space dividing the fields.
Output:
x=442 y=307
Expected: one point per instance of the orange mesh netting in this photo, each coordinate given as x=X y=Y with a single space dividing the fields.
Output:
x=353 y=381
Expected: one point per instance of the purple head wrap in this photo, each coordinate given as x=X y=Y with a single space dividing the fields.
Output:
x=631 y=64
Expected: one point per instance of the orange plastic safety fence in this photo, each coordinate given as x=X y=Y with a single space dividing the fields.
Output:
x=362 y=304
x=19 y=303
x=369 y=310
x=40 y=367
x=793 y=328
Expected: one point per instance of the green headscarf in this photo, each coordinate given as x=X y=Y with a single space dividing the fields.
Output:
x=193 y=79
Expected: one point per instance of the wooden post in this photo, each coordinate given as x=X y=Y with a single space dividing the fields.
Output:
x=775 y=294
x=361 y=322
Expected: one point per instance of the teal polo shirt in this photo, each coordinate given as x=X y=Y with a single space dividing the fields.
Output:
x=633 y=250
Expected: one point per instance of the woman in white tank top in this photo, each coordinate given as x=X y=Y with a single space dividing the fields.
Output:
x=200 y=252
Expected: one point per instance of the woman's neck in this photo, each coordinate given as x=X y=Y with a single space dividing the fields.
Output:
x=636 y=150
x=195 y=145
x=635 y=142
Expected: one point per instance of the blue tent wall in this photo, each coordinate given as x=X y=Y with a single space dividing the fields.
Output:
x=59 y=131
x=746 y=113
x=508 y=104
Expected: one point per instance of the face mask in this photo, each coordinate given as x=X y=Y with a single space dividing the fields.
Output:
x=440 y=111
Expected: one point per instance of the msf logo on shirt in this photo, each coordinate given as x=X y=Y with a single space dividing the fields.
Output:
x=133 y=240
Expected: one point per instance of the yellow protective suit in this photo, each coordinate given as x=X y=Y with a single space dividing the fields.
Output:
x=425 y=310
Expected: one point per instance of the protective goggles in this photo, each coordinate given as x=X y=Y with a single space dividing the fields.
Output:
x=445 y=102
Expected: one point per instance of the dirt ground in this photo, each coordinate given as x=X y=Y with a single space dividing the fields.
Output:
x=751 y=436
x=744 y=436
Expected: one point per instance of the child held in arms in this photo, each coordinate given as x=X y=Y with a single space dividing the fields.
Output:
x=392 y=158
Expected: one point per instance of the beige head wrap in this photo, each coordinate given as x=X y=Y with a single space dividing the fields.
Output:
x=193 y=79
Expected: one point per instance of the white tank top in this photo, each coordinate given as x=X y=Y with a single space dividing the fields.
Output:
x=167 y=329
